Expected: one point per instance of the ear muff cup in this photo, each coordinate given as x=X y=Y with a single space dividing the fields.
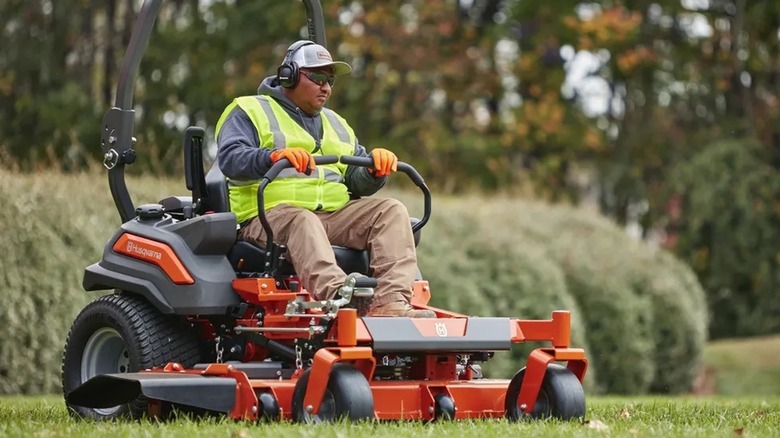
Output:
x=287 y=73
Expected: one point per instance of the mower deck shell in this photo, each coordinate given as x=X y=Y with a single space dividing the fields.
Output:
x=234 y=388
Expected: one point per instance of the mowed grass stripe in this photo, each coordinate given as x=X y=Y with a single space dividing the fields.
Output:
x=607 y=416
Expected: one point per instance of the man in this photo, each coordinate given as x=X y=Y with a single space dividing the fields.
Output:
x=309 y=206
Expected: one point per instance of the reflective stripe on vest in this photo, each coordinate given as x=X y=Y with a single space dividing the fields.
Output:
x=322 y=190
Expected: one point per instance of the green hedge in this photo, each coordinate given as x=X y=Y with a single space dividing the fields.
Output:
x=47 y=225
x=639 y=313
x=728 y=232
x=643 y=311
x=480 y=272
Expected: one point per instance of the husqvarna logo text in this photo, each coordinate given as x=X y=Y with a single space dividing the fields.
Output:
x=145 y=252
x=441 y=329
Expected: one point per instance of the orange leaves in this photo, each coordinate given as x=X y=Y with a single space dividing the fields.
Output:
x=612 y=27
x=629 y=60
x=594 y=139
x=6 y=83
x=375 y=16
x=528 y=63
x=541 y=118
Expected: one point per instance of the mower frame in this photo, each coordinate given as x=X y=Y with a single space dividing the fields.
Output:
x=292 y=353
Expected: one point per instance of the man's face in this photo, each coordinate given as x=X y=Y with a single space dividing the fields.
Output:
x=313 y=89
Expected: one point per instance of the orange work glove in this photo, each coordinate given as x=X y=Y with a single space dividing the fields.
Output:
x=385 y=162
x=300 y=158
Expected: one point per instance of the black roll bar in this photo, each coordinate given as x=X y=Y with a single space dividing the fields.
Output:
x=315 y=24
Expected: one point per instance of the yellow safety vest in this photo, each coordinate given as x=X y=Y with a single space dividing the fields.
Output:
x=322 y=190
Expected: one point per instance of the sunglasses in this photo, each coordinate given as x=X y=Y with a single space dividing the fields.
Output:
x=320 y=78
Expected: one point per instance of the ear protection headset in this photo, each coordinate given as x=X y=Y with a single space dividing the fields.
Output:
x=287 y=73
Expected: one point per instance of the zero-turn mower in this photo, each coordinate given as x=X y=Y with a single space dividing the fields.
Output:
x=203 y=323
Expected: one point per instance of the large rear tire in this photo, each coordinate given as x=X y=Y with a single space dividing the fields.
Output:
x=122 y=334
x=348 y=396
x=561 y=396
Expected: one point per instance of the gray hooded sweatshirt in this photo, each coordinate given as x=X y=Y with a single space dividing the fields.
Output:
x=240 y=157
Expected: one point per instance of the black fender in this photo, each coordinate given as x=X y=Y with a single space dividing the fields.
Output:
x=98 y=278
x=200 y=245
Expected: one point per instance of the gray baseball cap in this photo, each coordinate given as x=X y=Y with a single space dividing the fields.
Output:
x=314 y=55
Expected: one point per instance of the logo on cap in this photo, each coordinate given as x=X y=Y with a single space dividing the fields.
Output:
x=324 y=55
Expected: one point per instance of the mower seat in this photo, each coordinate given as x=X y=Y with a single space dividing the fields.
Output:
x=247 y=258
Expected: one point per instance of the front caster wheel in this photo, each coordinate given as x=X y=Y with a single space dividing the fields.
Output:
x=561 y=396
x=444 y=408
x=269 y=407
x=348 y=395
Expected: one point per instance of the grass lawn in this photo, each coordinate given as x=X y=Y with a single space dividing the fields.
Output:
x=607 y=416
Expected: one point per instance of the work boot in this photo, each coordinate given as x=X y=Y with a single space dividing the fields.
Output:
x=401 y=308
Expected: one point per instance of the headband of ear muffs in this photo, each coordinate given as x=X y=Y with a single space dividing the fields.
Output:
x=287 y=73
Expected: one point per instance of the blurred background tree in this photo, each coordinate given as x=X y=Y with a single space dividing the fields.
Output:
x=618 y=104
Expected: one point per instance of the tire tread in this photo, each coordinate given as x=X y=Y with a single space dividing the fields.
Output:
x=158 y=338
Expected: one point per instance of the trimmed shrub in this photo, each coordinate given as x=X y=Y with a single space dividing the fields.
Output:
x=640 y=315
x=637 y=311
x=54 y=225
x=51 y=231
x=631 y=303
x=475 y=269
x=683 y=332
x=617 y=321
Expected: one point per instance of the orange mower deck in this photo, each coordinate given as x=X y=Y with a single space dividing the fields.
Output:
x=350 y=343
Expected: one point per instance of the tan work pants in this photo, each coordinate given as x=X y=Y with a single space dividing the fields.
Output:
x=380 y=226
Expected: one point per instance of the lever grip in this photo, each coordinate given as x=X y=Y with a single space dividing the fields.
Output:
x=365 y=282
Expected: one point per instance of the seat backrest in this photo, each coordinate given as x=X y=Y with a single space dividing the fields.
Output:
x=216 y=186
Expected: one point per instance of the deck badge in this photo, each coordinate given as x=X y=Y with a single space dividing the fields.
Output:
x=441 y=329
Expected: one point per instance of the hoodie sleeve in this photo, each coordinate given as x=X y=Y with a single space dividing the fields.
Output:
x=238 y=153
x=358 y=180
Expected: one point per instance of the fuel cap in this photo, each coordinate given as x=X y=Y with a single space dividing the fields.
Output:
x=150 y=211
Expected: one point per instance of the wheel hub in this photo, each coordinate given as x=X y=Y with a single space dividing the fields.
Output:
x=327 y=412
x=104 y=353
